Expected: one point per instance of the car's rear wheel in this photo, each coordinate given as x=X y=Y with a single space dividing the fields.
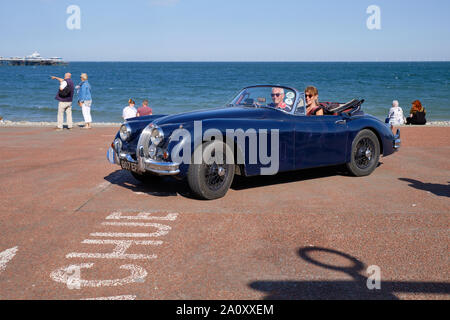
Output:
x=213 y=177
x=145 y=177
x=365 y=153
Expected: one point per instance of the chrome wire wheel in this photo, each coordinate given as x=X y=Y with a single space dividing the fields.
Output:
x=213 y=177
x=364 y=153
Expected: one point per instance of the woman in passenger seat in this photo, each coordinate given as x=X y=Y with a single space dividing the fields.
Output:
x=312 y=102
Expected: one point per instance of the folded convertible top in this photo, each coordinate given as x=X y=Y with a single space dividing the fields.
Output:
x=335 y=108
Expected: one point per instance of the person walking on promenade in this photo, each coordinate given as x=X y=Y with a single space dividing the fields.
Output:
x=129 y=111
x=145 y=110
x=395 y=116
x=85 y=100
x=65 y=98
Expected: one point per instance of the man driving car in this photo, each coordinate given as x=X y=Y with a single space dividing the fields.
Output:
x=278 y=99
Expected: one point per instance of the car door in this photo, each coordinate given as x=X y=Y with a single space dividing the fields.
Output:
x=282 y=153
x=320 y=141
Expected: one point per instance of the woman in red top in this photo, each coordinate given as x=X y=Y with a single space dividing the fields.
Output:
x=312 y=102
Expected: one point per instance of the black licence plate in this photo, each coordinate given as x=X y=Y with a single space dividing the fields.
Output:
x=130 y=166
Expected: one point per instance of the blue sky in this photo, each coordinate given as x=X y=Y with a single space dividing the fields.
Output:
x=227 y=30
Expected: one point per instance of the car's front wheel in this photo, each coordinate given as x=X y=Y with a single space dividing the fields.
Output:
x=365 y=153
x=213 y=177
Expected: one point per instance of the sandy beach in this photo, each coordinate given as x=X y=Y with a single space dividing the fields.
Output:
x=310 y=234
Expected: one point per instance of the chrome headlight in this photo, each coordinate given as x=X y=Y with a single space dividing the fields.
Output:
x=125 y=132
x=118 y=145
x=157 y=136
x=152 y=151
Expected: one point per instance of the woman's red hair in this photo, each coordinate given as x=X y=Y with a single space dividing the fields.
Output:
x=416 y=106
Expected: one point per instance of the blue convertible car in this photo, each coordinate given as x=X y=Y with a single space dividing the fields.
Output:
x=257 y=133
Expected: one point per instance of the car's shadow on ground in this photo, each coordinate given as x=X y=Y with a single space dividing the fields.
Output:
x=164 y=187
x=355 y=289
x=441 y=190
x=241 y=183
x=169 y=186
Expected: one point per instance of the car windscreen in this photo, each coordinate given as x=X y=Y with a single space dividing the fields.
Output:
x=266 y=96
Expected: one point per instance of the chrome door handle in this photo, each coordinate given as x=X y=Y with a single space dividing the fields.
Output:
x=341 y=122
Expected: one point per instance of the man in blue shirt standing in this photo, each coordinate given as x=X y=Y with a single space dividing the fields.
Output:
x=85 y=100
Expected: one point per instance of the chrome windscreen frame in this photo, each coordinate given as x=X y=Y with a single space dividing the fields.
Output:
x=299 y=97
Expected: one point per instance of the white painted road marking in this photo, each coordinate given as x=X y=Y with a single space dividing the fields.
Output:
x=125 y=297
x=119 y=251
x=123 y=235
x=162 y=229
x=137 y=224
x=142 y=216
x=137 y=274
x=6 y=256
x=103 y=185
x=71 y=275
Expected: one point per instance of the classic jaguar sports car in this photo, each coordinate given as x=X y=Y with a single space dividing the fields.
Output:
x=257 y=133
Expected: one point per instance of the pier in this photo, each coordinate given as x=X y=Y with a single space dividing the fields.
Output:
x=33 y=60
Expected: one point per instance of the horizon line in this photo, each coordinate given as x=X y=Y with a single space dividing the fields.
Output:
x=256 y=61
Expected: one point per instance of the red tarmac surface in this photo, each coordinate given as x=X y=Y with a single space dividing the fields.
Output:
x=264 y=240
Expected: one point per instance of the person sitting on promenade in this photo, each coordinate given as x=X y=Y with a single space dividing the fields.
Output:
x=65 y=98
x=145 y=110
x=312 y=102
x=129 y=111
x=395 y=116
x=85 y=100
x=417 y=114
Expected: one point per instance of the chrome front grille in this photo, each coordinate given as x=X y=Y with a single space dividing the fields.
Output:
x=142 y=146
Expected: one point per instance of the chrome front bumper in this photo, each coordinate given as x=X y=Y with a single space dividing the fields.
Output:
x=161 y=168
x=144 y=164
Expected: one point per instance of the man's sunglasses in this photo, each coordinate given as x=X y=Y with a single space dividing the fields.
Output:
x=276 y=94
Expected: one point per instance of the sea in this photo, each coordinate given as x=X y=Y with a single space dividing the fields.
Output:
x=27 y=92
